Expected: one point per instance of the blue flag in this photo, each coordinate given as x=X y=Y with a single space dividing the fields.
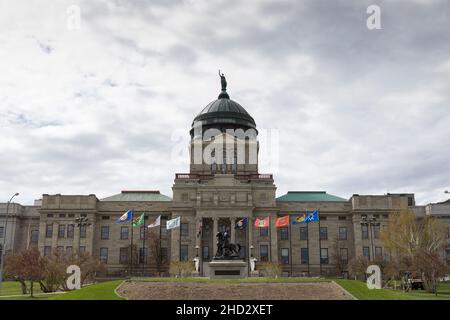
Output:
x=307 y=218
x=241 y=224
x=127 y=216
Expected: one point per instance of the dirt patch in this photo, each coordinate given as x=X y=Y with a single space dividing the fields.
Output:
x=232 y=291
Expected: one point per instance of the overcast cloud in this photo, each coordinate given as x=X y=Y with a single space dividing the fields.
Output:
x=98 y=110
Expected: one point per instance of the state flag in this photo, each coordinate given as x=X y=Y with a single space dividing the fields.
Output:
x=155 y=223
x=138 y=221
x=127 y=216
x=262 y=223
x=282 y=221
x=241 y=224
x=173 y=223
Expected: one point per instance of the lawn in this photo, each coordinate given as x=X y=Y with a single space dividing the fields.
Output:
x=10 y=288
x=360 y=291
x=99 y=291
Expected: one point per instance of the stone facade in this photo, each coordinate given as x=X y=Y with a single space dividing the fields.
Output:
x=212 y=197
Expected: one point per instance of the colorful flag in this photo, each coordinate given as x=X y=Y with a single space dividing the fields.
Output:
x=282 y=221
x=262 y=223
x=155 y=223
x=307 y=218
x=138 y=221
x=127 y=216
x=241 y=224
x=174 y=223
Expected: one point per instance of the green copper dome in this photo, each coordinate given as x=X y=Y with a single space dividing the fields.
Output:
x=223 y=114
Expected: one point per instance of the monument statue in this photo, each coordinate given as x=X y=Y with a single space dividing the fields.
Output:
x=225 y=249
x=197 y=264
x=252 y=264
x=223 y=81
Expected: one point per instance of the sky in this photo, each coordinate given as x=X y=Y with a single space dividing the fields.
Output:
x=99 y=96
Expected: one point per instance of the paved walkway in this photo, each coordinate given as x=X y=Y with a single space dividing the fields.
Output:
x=232 y=291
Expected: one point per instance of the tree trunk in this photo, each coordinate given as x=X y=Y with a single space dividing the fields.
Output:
x=24 y=286
x=31 y=289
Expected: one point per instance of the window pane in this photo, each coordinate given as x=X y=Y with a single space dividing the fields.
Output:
x=263 y=232
x=366 y=252
x=264 y=252
x=303 y=233
x=123 y=259
x=376 y=232
x=142 y=255
x=105 y=233
x=323 y=233
x=284 y=233
x=104 y=255
x=49 y=231
x=344 y=255
x=70 y=231
x=83 y=232
x=124 y=233
x=285 y=256
x=61 y=231
x=184 y=252
x=378 y=252
x=304 y=256
x=205 y=253
x=342 y=233
x=184 y=229
x=324 y=256
x=47 y=251
x=365 y=231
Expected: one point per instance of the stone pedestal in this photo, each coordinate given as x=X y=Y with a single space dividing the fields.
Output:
x=254 y=273
x=195 y=274
x=228 y=269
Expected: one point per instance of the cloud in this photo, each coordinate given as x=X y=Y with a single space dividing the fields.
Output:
x=95 y=110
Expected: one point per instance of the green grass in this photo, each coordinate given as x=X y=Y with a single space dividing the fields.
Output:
x=10 y=288
x=360 y=291
x=224 y=280
x=99 y=291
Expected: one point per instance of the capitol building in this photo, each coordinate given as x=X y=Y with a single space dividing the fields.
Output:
x=219 y=191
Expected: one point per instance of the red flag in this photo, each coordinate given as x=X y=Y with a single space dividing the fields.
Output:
x=282 y=221
x=262 y=223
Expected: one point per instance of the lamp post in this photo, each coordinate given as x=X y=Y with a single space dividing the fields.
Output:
x=4 y=237
x=370 y=223
x=81 y=222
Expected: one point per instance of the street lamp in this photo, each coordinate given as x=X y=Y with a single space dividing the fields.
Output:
x=2 y=257
x=196 y=249
x=370 y=223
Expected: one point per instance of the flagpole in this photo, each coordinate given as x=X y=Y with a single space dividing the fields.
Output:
x=307 y=248
x=159 y=263
x=143 y=249
x=290 y=242
x=270 y=238
x=131 y=262
x=320 y=249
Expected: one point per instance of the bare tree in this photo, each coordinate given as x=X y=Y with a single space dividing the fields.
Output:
x=418 y=242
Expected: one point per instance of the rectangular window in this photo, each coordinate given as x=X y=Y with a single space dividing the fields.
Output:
x=34 y=236
x=47 y=251
x=342 y=218
x=304 y=256
x=365 y=231
x=324 y=255
x=61 y=231
x=342 y=233
x=264 y=252
x=323 y=233
x=123 y=256
x=142 y=232
x=242 y=252
x=70 y=231
x=378 y=251
x=2 y=230
x=142 y=255
x=82 y=249
x=49 y=230
x=184 y=252
x=105 y=232
x=49 y=215
x=163 y=226
x=104 y=255
x=285 y=256
x=376 y=231
x=83 y=232
x=303 y=233
x=366 y=252
x=284 y=233
x=343 y=253
x=69 y=250
x=59 y=250
x=410 y=201
x=62 y=215
x=123 y=233
x=105 y=217
x=205 y=253
x=264 y=232
x=164 y=255
x=184 y=227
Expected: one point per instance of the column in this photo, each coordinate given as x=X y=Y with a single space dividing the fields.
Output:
x=232 y=230
x=273 y=240
x=215 y=230
x=55 y=236
x=250 y=236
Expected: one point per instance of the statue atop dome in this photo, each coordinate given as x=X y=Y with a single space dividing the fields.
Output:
x=223 y=81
